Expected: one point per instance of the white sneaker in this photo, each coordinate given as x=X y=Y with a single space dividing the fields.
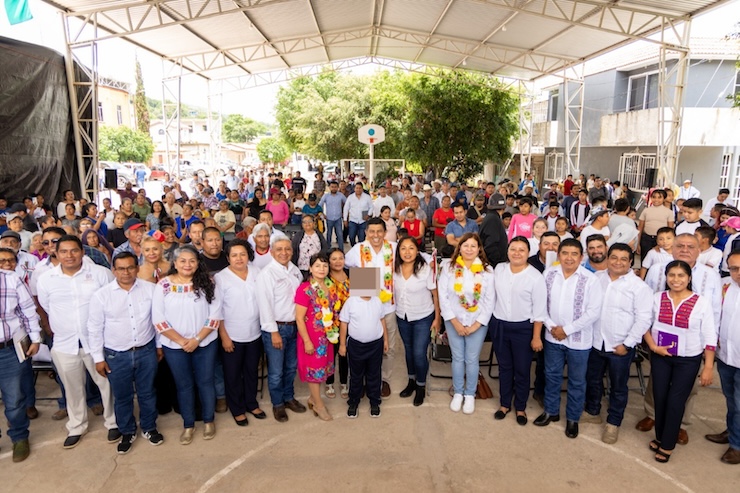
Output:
x=456 y=403
x=469 y=405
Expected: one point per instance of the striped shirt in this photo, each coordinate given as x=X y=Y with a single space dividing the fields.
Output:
x=17 y=309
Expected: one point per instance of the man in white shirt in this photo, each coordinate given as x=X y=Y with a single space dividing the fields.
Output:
x=276 y=287
x=688 y=191
x=357 y=208
x=719 y=199
x=26 y=262
x=626 y=314
x=376 y=252
x=704 y=282
x=597 y=224
x=382 y=199
x=122 y=343
x=728 y=362
x=65 y=292
x=573 y=306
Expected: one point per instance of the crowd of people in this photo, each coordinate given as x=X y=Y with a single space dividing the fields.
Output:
x=174 y=301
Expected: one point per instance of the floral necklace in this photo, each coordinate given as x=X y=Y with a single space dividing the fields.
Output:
x=366 y=256
x=326 y=312
x=476 y=268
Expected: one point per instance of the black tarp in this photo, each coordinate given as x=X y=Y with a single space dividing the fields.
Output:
x=36 y=140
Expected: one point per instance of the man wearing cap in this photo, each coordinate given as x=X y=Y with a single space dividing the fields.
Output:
x=15 y=224
x=29 y=221
x=732 y=228
x=597 y=224
x=382 y=199
x=492 y=232
x=688 y=191
x=132 y=228
x=333 y=203
x=428 y=203
x=26 y=262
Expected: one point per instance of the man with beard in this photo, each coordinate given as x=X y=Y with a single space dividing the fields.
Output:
x=596 y=251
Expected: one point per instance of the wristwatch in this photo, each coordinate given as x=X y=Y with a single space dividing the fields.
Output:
x=197 y=338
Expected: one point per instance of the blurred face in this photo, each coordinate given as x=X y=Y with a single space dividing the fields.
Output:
x=657 y=199
x=69 y=195
x=582 y=196
x=336 y=261
x=479 y=201
x=85 y=225
x=386 y=214
x=212 y=244
x=733 y=264
x=570 y=258
x=196 y=232
x=69 y=209
x=262 y=240
x=282 y=251
x=69 y=255
x=539 y=228
x=169 y=235
x=11 y=243
x=267 y=219
x=410 y=216
x=686 y=248
x=152 y=251
x=518 y=253
x=618 y=263
x=548 y=244
x=126 y=205
x=665 y=241
x=446 y=202
x=506 y=221
x=333 y=188
x=524 y=208
x=375 y=235
x=459 y=214
x=319 y=270
x=408 y=251
x=308 y=224
x=157 y=207
x=93 y=240
x=561 y=226
x=677 y=279
x=186 y=264
x=691 y=215
x=49 y=242
x=553 y=211
x=16 y=224
x=722 y=197
x=238 y=257
x=125 y=271
x=135 y=235
x=469 y=250
x=596 y=251
x=7 y=261
x=36 y=243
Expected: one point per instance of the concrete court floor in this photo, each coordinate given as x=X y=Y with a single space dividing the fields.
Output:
x=407 y=449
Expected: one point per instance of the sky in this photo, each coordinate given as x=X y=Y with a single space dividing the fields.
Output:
x=117 y=59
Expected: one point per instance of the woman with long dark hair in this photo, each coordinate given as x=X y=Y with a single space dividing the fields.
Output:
x=95 y=240
x=155 y=217
x=183 y=314
x=417 y=312
x=339 y=275
x=258 y=203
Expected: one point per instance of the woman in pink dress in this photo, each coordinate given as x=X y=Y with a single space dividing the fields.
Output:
x=278 y=207
x=314 y=314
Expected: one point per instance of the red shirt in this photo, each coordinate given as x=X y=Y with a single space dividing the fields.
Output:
x=443 y=217
x=566 y=187
x=414 y=229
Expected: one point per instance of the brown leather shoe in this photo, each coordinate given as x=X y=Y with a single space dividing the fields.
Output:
x=385 y=390
x=295 y=406
x=683 y=437
x=732 y=456
x=32 y=412
x=221 y=405
x=721 y=438
x=97 y=409
x=280 y=414
x=59 y=415
x=645 y=424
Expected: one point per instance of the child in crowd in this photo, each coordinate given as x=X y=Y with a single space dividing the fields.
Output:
x=691 y=211
x=506 y=219
x=679 y=206
x=521 y=223
x=116 y=235
x=552 y=215
x=562 y=225
x=538 y=228
x=363 y=338
x=732 y=228
x=661 y=253
x=709 y=256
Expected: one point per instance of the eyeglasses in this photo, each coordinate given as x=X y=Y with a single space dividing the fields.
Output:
x=47 y=242
x=8 y=261
x=127 y=269
x=732 y=269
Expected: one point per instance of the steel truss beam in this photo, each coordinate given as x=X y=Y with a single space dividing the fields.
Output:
x=215 y=118
x=526 y=116
x=171 y=118
x=574 y=90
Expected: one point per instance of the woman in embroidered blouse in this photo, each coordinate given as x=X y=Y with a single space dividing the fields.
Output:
x=307 y=243
x=340 y=277
x=390 y=223
x=417 y=312
x=519 y=312
x=155 y=266
x=182 y=313
x=315 y=304
x=466 y=303
x=241 y=337
x=683 y=329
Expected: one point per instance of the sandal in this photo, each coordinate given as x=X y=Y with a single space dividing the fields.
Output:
x=662 y=456
x=654 y=445
x=345 y=391
x=330 y=392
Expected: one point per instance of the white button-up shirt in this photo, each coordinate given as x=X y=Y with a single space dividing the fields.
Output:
x=236 y=304
x=581 y=292
x=705 y=281
x=449 y=303
x=700 y=332
x=414 y=295
x=626 y=312
x=521 y=296
x=120 y=320
x=380 y=202
x=17 y=309
x=355 y=207
x=66 y=300
x=354 y=259
x=729 y=327
x=276 y=287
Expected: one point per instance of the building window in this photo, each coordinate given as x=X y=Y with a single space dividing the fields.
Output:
x=735 y=190
x=119 y=114
x=205 y=128
x=724 y=173
x=552 y=113
x=100 y=111
x=643 y=92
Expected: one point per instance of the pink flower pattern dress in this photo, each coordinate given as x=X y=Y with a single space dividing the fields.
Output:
x=315 y=367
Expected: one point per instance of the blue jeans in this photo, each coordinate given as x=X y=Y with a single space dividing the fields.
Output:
x=356 y=232
x=619 y=375
x=11 y=374
x=218 y=377
x=556 y=355
x=28 y=383
x=730 y=378
x=336 y=227
x=281 y=364
x=133 y=371
x=191 y=370
x=416 y=337
x=465 y=358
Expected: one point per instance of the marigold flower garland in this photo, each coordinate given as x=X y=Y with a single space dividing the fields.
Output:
x=476 y=268
x=366 y=256
x=328 y=306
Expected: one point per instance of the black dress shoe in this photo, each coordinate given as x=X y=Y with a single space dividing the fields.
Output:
x=114 y=434
x=259 y=415
x=280 y=414
x=521 y=419
x=410 y=388
x=545 y=419
x=571 y=429
x=721 y=438
x=72 y=441
x=242 y=422
x=500 y=414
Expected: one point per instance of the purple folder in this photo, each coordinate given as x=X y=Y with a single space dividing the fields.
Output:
x=669 y=340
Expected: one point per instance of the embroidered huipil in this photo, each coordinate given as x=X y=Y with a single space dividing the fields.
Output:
x=705 y=282
x=692 y=321
x=174 y=306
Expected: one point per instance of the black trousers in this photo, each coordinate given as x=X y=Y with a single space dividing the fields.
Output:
x=512 y=342
x=240 y=375
x=365 y=364
x=673 y=378
x=343 y=368
x=647 y=243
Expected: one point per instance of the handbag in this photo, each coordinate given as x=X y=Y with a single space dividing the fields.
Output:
x=483 y=391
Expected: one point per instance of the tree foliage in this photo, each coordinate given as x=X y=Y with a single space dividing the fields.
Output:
x=186 y=111
x=140 y=106
x=238 y=128
x=123 y=144
x=271 y=150
x=452 y=119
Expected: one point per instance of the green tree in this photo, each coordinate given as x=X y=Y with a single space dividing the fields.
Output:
x=124 y=144
x=271 y=150
x=238 y=128
x=140 y=105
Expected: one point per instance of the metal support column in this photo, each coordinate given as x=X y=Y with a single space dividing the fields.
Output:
x=526 y=116
x=172 y=90
x=81 y=63
x=573 y=90
x=215 y=119
x=672 y=80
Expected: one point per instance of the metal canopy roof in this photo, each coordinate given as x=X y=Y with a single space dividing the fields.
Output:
x=522 y=39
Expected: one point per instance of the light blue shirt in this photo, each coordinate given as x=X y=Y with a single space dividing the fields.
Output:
x=334 y=203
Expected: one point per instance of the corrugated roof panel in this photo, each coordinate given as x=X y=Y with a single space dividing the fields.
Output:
x=397 y=49
x=580 y=43
x=527 y=32
x=284 y=20
x=172 y=41
x=311 y=56
x=333 y=15
x=432 y=56
x=416 y=15
x=266 y=65
x=350 y=49
x=472 y=20
x=227 y=30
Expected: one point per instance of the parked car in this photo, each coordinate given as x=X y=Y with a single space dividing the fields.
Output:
x=157 y=173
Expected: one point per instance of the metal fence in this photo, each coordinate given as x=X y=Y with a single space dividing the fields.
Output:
x=634 y=170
